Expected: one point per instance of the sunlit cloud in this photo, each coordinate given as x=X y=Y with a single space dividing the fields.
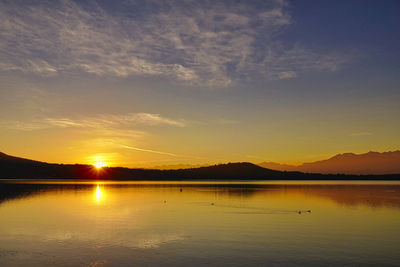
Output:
x=151 y=119
x=208 y=43
x=121 y=133
x=102 y=121
x=287 y=75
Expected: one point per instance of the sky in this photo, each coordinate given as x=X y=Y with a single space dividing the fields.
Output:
x=151 y=83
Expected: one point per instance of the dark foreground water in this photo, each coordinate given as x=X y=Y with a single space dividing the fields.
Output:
x=191 y=224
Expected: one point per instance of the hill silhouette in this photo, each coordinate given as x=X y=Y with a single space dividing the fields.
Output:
x=179 y=166
x=347 y=163
x=19 y=168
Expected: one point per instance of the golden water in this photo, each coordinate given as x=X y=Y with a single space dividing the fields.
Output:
x=74 y=223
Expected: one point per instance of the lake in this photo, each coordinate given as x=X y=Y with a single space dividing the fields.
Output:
x=78 y=223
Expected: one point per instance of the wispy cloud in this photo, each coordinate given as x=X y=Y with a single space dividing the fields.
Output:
x=287 y=75
x=141 y=149
x=146 y=150
x=211 y=43
x=102 y=121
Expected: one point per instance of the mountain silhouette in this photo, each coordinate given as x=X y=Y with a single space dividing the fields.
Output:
x=179 y=166
x=347 y=163
x=19 y=168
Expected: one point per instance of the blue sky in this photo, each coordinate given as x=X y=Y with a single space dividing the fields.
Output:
x=144 y=83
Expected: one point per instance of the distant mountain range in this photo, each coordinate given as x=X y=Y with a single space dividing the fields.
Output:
x=179 y=166
x=19 y=168
x=347 y=163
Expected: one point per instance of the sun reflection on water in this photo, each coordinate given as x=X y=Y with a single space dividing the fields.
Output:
x=99 y=194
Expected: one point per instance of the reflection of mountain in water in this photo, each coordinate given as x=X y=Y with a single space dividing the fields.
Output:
x=374 y=195
x=370 y=195
x=11 y=191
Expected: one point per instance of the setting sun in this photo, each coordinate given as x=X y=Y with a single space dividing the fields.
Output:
x=99 y=165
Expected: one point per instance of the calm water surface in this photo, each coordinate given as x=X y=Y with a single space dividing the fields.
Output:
x=208 y=223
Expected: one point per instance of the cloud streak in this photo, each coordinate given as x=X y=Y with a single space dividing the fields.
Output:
x=207 y=43
x=146 y=150
x=102 y=121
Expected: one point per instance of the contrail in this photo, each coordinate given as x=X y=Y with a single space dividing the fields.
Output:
x=147 y=150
